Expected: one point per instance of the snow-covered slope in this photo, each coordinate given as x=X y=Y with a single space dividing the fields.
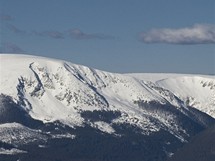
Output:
x=53 y=101
x=17 y=134
x=195 y=90
x=51 y=90
x=56 y=90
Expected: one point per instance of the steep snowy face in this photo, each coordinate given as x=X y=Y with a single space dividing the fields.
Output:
x=53 y=90
x=47 y=103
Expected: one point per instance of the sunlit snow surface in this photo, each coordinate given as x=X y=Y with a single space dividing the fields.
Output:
x=16 y=133
x=196 y=90
x=12 y=151
x=59 y=90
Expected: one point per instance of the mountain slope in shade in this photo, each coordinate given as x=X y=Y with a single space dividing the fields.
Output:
x=200 y=148
x=71 y=106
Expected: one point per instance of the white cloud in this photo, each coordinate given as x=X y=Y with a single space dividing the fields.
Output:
x=198 y=34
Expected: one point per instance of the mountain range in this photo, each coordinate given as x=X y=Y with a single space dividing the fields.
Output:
x=55 y=110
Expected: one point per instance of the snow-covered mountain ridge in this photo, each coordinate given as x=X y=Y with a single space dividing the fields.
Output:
x=195 y=90
x=48 y=98
x=59 y=84
x=55 y=90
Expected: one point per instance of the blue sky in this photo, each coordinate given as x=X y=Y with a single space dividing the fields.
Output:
x=168 y=36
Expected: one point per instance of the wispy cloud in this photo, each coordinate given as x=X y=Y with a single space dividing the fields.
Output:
x=15 y=29
x=8 y=47
x=54 y=34
x=79 y=35
x=5 y=17
x=198 y=34
x=50 y=34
